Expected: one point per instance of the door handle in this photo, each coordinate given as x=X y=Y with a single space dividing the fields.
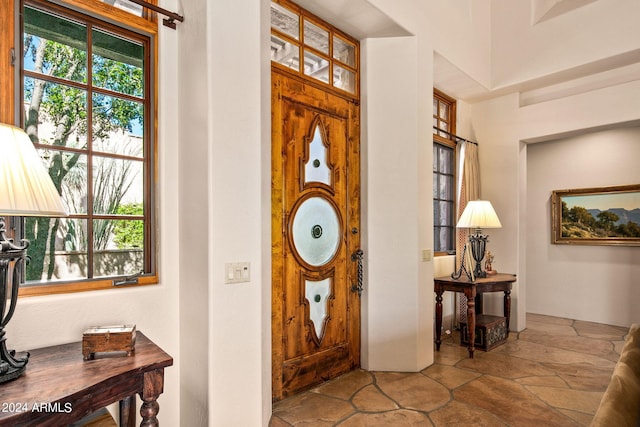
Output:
x=358 y=287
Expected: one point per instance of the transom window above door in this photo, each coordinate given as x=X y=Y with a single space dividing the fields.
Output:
x=304 y=44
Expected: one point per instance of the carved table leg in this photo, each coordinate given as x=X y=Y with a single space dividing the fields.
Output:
x=149 y=410
x=438 y=318
x=471 y=319
x=153 y=387
x=507 y=307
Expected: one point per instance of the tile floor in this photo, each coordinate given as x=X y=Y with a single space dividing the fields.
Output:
x=551 y=374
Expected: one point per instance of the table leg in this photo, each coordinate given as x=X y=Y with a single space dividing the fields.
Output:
x=471 y=320
x=438 y=318
x=480 y=304
x=128 y=411
x=153 y=387
x=149 y=410
x=507 y=307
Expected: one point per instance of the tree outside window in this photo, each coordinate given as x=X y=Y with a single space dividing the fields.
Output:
x=86 y=109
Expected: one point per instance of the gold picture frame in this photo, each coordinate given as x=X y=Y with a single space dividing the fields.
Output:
x=596 y=216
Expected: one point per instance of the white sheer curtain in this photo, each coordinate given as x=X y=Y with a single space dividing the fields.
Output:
x=468 y=186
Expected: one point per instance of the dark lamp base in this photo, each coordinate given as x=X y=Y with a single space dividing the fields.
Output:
x=478 y=244
x=11 y=367
x=12 y=259
x=478 y=273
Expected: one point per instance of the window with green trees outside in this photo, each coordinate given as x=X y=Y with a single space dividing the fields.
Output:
x=87 y=103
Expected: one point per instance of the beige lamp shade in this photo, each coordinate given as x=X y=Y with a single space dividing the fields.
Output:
x=26 y=189
x=479 y=214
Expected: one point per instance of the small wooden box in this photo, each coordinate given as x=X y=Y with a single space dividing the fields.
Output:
x=102 y=339
x=491 y=331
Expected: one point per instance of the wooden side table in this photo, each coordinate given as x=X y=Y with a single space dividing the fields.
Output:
x=496 y=283
x=59 y=387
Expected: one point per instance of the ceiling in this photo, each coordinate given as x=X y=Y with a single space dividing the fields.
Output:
x=358 y=18
x=614 y=70
x=362 y=20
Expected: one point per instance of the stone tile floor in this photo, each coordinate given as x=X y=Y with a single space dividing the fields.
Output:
x=553 y=373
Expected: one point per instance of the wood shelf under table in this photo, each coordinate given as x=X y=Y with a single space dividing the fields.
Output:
x=59 y=387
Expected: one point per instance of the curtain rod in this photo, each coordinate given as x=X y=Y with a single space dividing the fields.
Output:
x=454 y=136
x=171 y=17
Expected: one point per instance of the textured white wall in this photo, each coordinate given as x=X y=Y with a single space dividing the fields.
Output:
x=502 y=128
x=392 y=336
x=235 y=51
x=225 y=173
x=193 y=153
x=594 y=283
x=397 y=87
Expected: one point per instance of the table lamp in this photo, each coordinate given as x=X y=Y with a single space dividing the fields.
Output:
x=478 y=214
x=26 y=189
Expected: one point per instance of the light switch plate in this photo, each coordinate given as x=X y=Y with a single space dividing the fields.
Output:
x=237 y=272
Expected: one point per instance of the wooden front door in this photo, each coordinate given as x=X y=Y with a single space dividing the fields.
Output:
x=316 y=232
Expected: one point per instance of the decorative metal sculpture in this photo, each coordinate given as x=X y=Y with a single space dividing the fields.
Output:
x=463 y=266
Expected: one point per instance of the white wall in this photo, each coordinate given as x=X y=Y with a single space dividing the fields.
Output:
x=397 y=86
x=393 y=156
x=235 y=166
x=594 y=283
x=193 y=227
x=502 y=128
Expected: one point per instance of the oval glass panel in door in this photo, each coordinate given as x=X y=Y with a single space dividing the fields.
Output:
x=316 y=169
x=317 y=293
x=316 y=231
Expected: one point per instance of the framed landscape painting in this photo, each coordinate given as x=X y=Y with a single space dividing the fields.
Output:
x=596 y=216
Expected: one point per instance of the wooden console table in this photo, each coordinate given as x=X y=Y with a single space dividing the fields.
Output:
x=59 y=387
x=495 y=283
